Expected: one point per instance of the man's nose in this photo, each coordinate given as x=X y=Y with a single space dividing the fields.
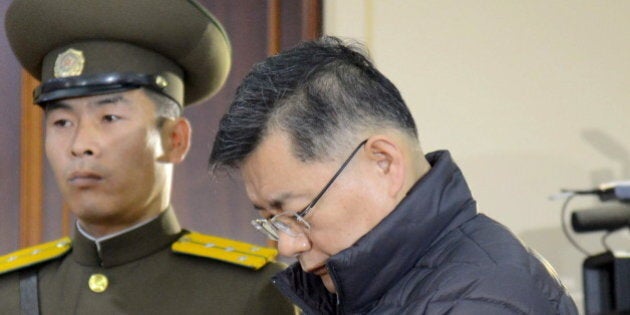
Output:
x=293 y=246
x=85 y=141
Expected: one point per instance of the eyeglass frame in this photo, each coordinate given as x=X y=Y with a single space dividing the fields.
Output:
x=269 y=227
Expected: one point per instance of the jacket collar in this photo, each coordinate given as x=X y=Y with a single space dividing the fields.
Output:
x=364 y=272
x=129 y=246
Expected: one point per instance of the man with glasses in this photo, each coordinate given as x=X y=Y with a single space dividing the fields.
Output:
x=330 y=158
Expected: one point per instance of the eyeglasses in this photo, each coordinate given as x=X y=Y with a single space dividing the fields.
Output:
x=293 y=223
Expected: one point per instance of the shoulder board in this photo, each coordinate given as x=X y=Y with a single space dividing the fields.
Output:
x=219 y=248
x=34 y=255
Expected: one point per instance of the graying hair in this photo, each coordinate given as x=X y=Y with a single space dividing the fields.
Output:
x=324 y=94
x=165 y=107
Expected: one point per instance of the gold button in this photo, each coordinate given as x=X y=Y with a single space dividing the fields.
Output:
x=98 y=282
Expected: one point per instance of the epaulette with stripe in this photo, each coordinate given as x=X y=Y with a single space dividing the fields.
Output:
x=34 y=255
x=219 y=248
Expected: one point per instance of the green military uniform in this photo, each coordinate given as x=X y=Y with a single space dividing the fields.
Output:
x=144 y=272
x=90 y=47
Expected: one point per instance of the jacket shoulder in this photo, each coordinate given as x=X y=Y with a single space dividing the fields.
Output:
x=34 y=255
x=224 y=249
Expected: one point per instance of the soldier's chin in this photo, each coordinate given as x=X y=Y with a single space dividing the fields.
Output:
x=328 y=283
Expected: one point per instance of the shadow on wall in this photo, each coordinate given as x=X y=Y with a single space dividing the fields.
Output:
x=612 y=149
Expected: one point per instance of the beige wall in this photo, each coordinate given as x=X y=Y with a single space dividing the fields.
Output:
x=529 y=96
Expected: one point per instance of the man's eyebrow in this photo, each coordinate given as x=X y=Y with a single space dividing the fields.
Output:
x=105 y=100
x=56 y=105
x=111 y=99
x=275 y=202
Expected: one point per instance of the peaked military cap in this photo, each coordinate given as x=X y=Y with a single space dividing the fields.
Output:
x=79 y=48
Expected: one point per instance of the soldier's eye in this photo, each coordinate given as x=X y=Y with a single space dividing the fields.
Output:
x=111 y=118
x=62 y=123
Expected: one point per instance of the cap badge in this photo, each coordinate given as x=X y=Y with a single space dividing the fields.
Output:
x=69 y=63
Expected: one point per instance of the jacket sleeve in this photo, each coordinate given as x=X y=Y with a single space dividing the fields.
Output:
x=467 y=307
x=498 y=291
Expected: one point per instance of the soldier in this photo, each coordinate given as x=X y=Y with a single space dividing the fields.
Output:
x=115 y=77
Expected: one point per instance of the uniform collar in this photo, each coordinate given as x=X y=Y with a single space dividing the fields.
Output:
x=130 y=245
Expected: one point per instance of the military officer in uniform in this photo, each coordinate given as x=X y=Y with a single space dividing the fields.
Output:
x=115 y=76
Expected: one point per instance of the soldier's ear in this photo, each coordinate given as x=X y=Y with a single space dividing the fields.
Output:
x=176 y=134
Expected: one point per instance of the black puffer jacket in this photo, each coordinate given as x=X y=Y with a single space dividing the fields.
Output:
x=433 y=255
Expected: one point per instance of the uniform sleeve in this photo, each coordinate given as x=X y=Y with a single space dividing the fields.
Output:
x=265 y=298
x=10 y=293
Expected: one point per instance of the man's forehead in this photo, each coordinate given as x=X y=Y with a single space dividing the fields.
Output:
x=119 y=98
x=270 y=161
x=273 y=175
x=272 y=156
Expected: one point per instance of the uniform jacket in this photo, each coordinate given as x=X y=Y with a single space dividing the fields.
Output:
x=433 y=255
x=145 y=276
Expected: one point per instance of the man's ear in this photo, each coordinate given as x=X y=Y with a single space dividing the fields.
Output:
x=389 y=160
x=176 y=134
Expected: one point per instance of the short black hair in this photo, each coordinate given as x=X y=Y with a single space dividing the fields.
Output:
x=324 y=94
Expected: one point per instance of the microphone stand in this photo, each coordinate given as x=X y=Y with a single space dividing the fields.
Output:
x=606 y=278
